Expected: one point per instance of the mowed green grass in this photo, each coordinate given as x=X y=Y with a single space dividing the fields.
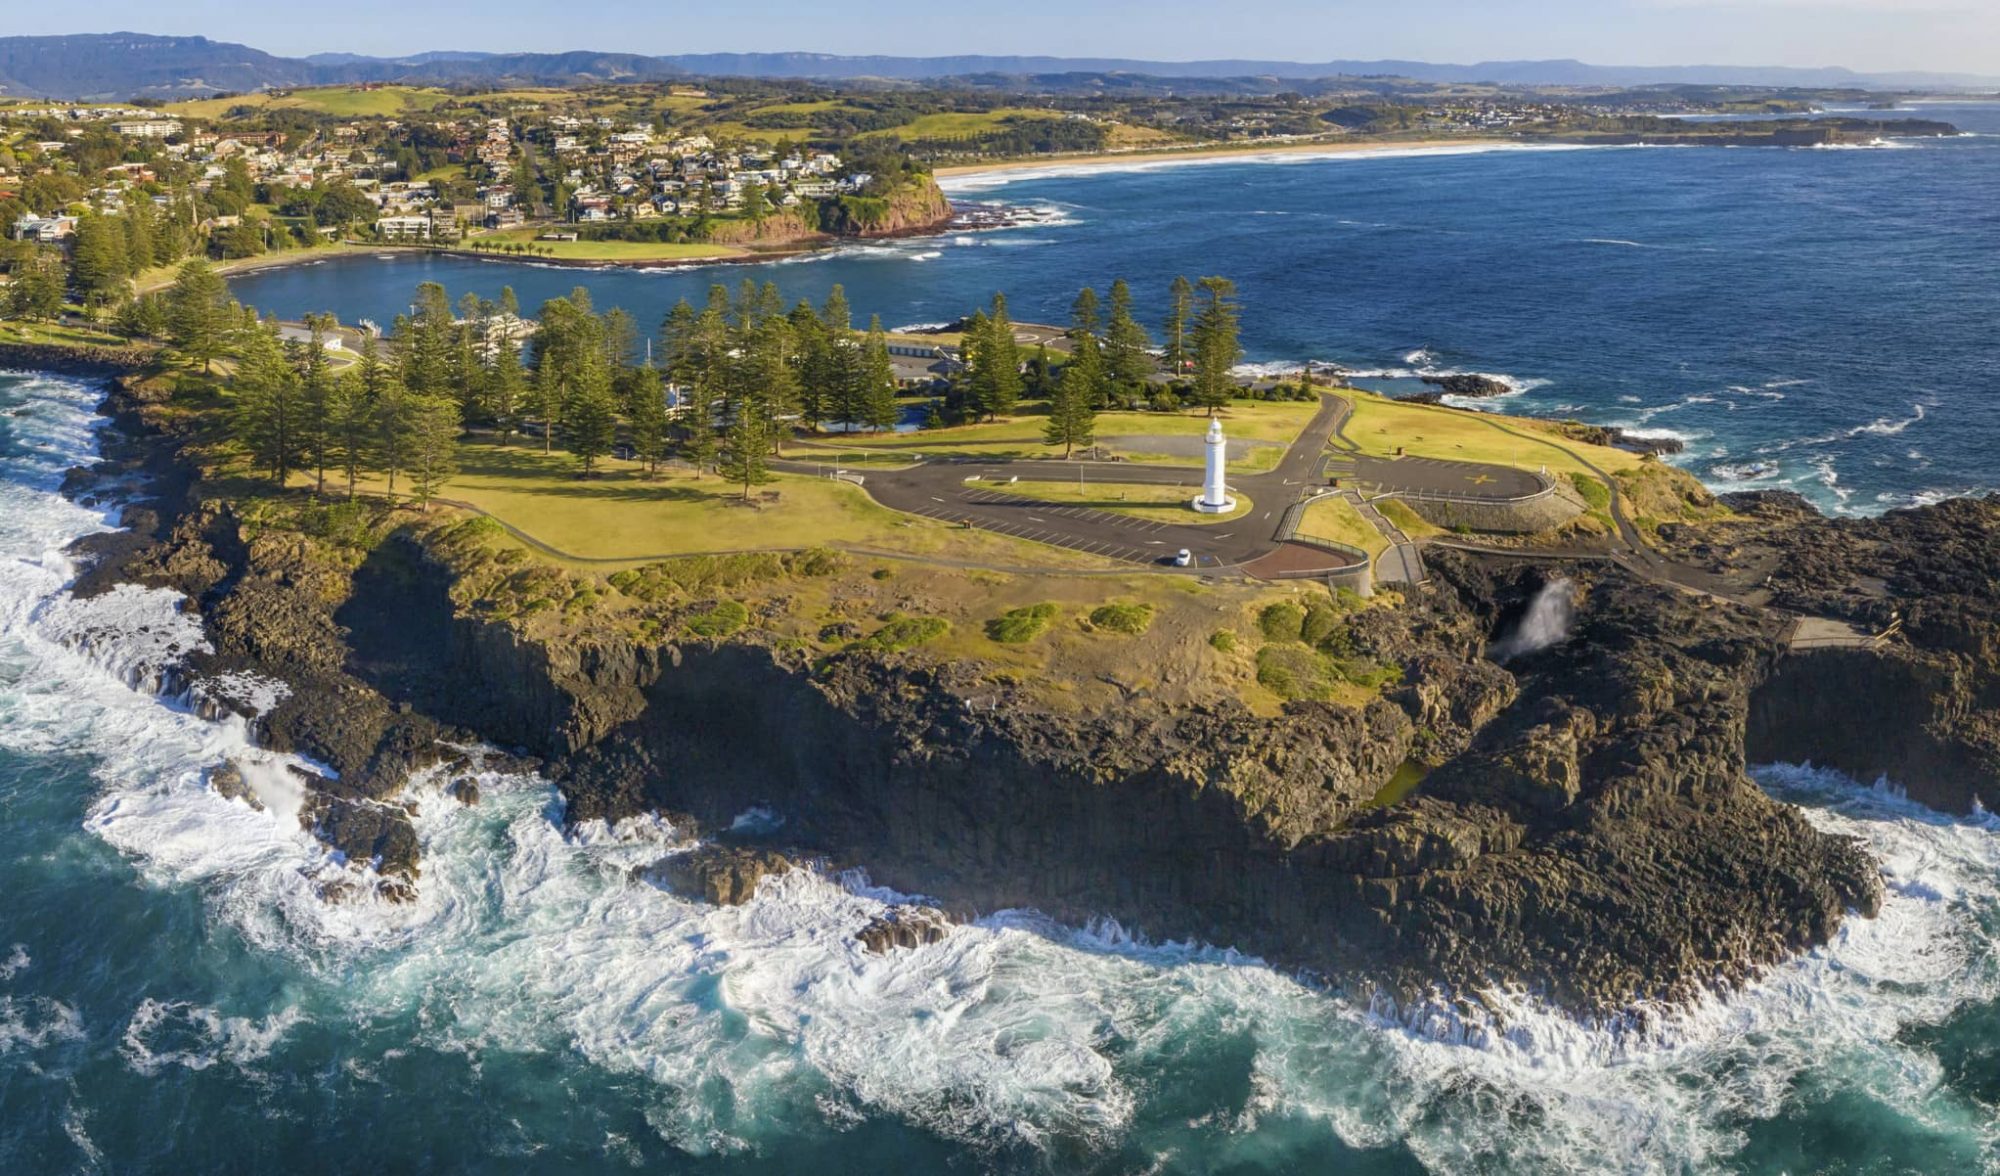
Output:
x=1332 y=517
x=609 y=250
x=958 y=125
x=1380 y=426
x=1159 y=504
x=1021 y=436
x=338 y=101
x=16 y=331
x=620 y=514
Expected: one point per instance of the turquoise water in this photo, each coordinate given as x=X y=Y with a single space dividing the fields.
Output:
x=174 y=997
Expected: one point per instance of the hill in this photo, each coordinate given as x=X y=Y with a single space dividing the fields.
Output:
x=134 y=65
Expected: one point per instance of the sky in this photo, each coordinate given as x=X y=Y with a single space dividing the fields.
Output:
x=1871 y=35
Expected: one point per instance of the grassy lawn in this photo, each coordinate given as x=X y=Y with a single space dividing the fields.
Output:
x=622 y=515
x=1128 y=136
x=609 y=250
x=1021 y=436
x=1159 y=504
x=955 y=125
x=13 y=331
x=1332 y=517
x=338 y=101
x=1380 y=425
x=1408 y=521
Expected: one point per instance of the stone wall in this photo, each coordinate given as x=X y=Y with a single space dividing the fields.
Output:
x=1527 y=516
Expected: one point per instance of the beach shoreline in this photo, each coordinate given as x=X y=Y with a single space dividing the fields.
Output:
x=1209 y=153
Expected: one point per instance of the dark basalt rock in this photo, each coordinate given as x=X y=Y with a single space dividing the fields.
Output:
x=904 y=927
x=1585 y=828
x=719 y=874
x=1469 y=384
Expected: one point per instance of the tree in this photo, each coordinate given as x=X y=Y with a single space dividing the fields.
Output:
x=1083 y=315
x=369 y=367
x=200 y=316
x=744 y=458
x=1180 y=312
x=506 y=387
x=1126 y=364
x=1073 y=407
x=36 y=289
x=569 y=357
x=592 y=422
x=647 y=416
x=1216 y=344
x=391 y=440
x=266 y=409
x=316 y=399
x=995 y=357
x=97 y=260
x=426 y=338
x=430 y=426
x=877 y=380
x=351 y=435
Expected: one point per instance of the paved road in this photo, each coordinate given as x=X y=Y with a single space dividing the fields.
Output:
x=974 y=491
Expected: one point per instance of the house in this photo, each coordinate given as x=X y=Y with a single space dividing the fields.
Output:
x=47 y=229
x=404 y=228
x=294 y=333
x=151 y=128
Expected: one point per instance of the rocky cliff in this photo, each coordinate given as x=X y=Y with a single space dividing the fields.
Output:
x=914 y=208
x=1583 y=828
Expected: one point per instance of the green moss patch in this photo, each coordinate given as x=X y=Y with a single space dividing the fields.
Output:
x=1022 y=625
x=900 y=632
x=1130 y=619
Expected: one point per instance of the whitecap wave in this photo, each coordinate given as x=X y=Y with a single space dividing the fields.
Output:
x=1014 y=1032
x=988 y=180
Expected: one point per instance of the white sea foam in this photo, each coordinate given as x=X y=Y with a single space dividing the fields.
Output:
x=987 y=181
x=749 y=1021
x=177 y=1033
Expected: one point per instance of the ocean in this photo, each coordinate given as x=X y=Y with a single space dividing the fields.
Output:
x=1828 y=314
x=173 y=997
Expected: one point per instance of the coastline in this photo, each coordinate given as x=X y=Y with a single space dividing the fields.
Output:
x=1372 y=901
x=1210 y=153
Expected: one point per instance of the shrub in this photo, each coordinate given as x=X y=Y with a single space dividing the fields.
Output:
x=900 y=632
x=1291 y=671
x=1223 y=640
x=1320 y=620
x=1282 y=621
x=1295 y=672
x=724 y=618
x=1130 y=619
x=1594 y=492
x=1021 y=625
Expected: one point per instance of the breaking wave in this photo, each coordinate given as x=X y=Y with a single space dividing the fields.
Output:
x=1015 y=1035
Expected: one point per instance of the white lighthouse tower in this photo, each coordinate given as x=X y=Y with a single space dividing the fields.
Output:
x=1215 y=497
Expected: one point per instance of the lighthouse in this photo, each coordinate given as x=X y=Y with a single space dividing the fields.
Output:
x=1215 y=497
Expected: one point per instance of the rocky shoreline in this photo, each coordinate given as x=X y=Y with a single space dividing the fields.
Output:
x=1585 y=831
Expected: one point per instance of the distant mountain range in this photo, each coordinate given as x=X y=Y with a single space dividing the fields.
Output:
x=109 y=66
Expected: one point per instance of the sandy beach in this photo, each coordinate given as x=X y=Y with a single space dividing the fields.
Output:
x=1208 y=153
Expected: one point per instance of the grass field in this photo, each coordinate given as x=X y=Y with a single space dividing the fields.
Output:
x=1159 y=504
x=1408 y=521
x=339 y=101
x=609 y=250
x=1379 y=426
x=958 y=125
x=623 y=516
x=1021 y=436
x=1333 y=517
x=15 y=331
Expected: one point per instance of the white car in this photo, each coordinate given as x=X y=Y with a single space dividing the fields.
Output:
x=1184 y=558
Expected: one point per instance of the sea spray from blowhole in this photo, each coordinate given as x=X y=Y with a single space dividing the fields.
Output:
x=1547 y=622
